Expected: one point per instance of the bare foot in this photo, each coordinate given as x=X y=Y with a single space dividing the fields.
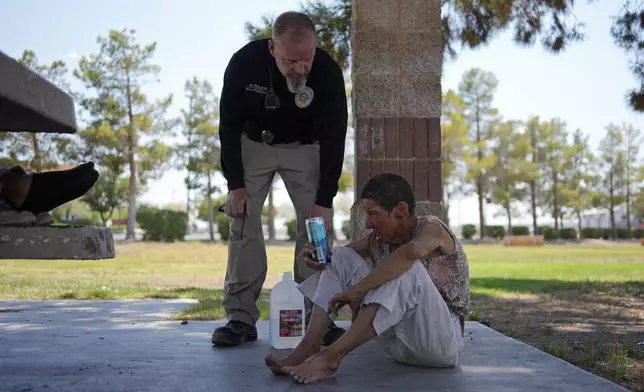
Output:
x=294 y=358
x=318 y=367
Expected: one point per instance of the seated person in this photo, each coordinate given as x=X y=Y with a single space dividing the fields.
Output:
x=27 y=198
x=412 y=297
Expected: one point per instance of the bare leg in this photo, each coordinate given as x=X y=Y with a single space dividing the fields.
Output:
x=309 y=345
x=324 y=364
x=355 y=309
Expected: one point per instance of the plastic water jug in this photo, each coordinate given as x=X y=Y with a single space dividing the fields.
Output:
x=287 y=313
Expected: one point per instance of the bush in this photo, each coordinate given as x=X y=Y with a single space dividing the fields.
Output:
x=82 y=222
x=162 y=225
x=568 y=234
x=291 y=229
x=222 y=223
x=520 y=230
x=590 y=232
x=638 y=233
x=495 y=231
x=607 y=234
x=468 y=231
x=624 y=234
x=346 y=228
x=548 y=233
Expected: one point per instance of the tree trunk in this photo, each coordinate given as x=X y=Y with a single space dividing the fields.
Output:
x=611 y=204
x=131 y=218
x=507 y=210
x=37 y=160
x=482 y=228
x=188 y=179
x=211 y=213
x=555 y=200
x=68 y=212
x=533 y=184
x=628 y=196
x=533 y=203
x=579 y=223
x=479 y=181
x=271 y=214
x=188 y=197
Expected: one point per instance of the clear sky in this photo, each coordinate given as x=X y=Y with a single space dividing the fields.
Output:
x=585 y=86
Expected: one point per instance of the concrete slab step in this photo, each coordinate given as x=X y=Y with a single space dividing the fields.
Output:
x=130 y=345
x=56 y=242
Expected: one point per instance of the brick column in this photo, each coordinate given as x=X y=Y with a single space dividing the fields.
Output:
x=396 y=71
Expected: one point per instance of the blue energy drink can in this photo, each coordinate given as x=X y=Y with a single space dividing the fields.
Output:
x=317 y=236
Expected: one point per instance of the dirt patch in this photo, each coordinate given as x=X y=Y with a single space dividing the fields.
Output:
x=606 y=243
x=597 y=331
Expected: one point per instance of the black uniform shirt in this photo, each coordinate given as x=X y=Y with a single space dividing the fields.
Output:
x=246 y=83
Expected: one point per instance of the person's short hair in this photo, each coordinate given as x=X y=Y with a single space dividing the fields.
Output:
x=297 y=24
x=389 y=189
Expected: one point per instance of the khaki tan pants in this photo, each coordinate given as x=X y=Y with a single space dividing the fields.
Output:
x=413 y=323
x=298 y=166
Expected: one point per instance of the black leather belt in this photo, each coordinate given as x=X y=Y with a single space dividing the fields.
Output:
x=266 y=137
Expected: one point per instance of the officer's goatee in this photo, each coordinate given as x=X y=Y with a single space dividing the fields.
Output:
x=296 y=82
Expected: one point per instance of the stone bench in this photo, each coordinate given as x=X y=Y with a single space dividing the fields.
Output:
x=56 y=242
x=29 y=103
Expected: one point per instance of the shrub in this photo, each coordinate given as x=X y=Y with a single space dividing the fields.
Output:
x=638 y=233
x=607 y=233
x=548 y=233
x=346 y=228
x=624 y=234
x=568 y=234
x=520 y=230
x=495 y=231
x=162 y=225
x=468 y=231
x=590 y=232
x=83 y=222
x=223 y=226
x=291 y=229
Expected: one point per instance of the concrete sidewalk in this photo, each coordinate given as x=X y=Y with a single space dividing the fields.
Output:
x=129 y=346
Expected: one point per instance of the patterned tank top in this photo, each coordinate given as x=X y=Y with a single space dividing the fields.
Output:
x=449 y=272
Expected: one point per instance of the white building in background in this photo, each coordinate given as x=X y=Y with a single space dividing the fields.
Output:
x=600 y=218
x=595 y=218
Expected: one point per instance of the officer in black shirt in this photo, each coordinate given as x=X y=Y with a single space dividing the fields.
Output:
x=283 y=110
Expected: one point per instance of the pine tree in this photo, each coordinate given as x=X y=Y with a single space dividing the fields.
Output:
x=477 y=90
x=116 y=76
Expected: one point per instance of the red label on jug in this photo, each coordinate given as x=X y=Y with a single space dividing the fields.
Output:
x=291 y=323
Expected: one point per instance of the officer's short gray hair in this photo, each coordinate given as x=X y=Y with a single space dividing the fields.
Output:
x=296 y=24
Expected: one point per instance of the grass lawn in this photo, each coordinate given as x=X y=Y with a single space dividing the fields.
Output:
x=583 y=304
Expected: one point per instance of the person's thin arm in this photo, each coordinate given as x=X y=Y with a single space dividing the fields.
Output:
x=427 y=240
x=332 y=131
x=231 y=121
